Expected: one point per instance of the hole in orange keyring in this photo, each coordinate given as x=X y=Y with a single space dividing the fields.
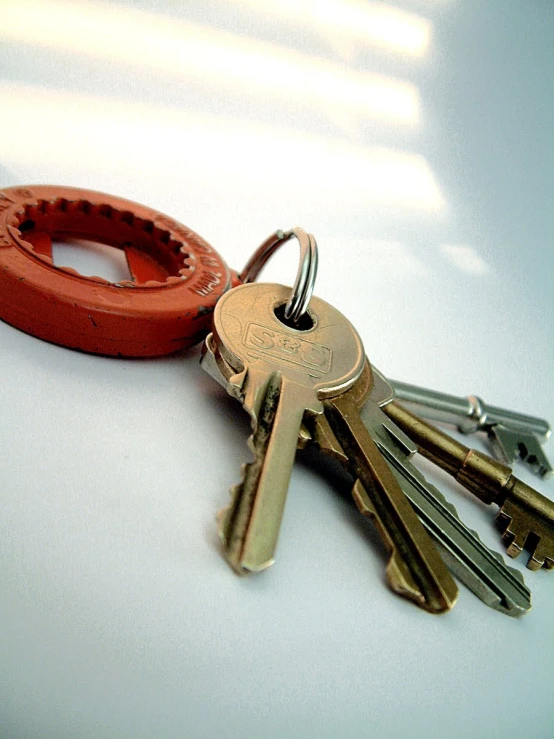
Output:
x=123 y=247
x=92 y=259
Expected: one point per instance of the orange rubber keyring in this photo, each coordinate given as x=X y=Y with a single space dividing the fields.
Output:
x=177 y=277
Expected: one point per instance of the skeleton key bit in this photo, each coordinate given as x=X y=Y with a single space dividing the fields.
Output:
x=512 y=434
x=280 y=375
x=526 y=517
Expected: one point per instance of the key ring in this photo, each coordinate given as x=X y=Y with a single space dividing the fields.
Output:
x=177 y=277
x=303 y=288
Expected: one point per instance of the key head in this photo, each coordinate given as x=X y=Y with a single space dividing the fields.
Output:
x=323 y=351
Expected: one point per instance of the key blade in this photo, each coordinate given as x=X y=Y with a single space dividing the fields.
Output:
x=481 y=570
x=236 y=520
x=511 y=444
x=429 y=583
x=249 y=526
x=399 y=576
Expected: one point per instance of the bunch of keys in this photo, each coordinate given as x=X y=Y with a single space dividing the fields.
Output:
x=305 y=381
x=298 y=367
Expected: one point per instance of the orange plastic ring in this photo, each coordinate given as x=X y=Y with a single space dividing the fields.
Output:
x=177 y=277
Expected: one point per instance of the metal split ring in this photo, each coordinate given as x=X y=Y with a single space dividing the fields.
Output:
x=297 y=305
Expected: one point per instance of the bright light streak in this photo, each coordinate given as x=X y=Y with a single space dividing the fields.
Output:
x=390 y=260
x=366 y=23
x=219 y=58
x=63 y=132
x=466 y=259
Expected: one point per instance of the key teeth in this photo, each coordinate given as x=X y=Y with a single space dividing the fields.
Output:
x=509 y=445
x=535 y=563
x=226 y=517
x=516 y=541
x=540 y=558
x=397 y=574
x=513 y=572
x=516 y=574
x=362 y=500
x=513 y=539
x=400 y=582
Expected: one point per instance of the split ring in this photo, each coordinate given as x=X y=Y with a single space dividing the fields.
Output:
x=297 y=305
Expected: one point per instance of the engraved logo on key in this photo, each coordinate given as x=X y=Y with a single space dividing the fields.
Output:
x=283 y=346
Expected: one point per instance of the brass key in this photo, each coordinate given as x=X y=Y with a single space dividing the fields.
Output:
x=526 y=517
x=415 y=568
x=279 y=373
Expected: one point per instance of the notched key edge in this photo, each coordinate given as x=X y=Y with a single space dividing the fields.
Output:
x=234 y=520
x=436 y=592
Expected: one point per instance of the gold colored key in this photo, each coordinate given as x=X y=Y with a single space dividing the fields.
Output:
x=280 y=373
x=526 y=518
x=415 y=569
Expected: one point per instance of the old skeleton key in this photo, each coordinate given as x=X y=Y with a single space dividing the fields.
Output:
x=481 y=570
x=511 y=434
x=526 y=517
x=415 y=570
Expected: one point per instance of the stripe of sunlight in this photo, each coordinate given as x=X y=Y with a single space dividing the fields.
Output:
x=390 y=260
x=220 y=58
x=100 y=135
x=466 y=259
x=367 y=23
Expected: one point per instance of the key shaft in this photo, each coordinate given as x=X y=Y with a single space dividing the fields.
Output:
x=512 y=435
x=468 y=414
x=249 y=527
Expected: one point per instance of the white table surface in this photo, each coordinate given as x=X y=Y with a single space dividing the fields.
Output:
x=419 y=151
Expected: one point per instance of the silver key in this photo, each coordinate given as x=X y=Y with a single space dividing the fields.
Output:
x=512 y=435
x=481 y=570
x=281 y=374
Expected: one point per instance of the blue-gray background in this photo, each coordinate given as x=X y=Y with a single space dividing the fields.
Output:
x=417 y=146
